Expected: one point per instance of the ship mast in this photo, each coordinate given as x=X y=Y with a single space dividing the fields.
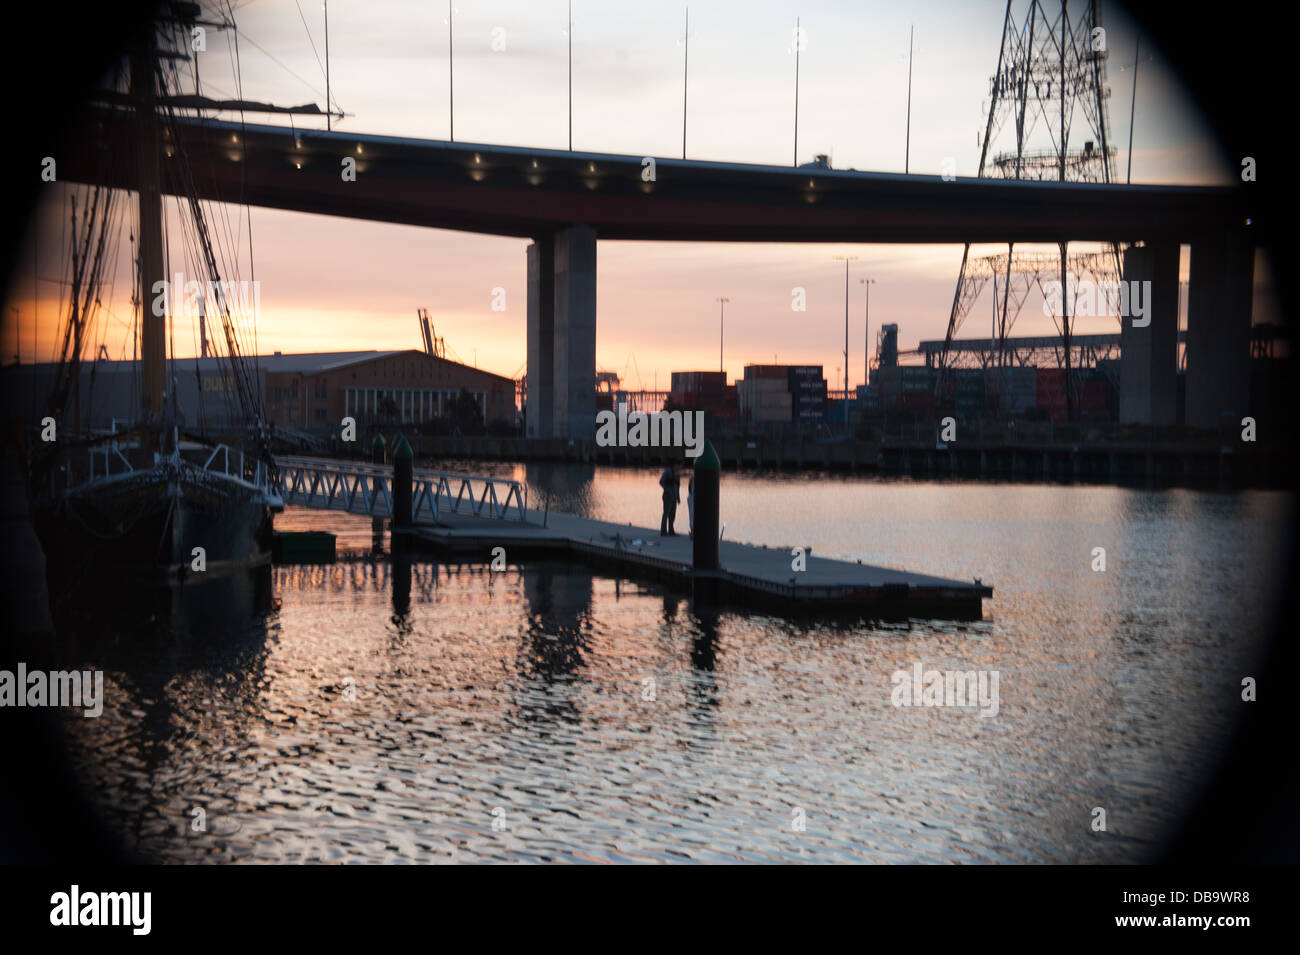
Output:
x=152 y=327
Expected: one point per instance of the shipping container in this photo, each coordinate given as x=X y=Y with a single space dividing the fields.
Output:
x=968 y=383
x=807 y=385
x=917 y=402
x=699 y=380
x=1002 y=381
x=1051 y=382
x=1093 y=395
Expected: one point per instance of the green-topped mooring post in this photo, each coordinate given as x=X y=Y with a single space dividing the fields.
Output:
x=378 y=455
x=707 y=478
x=403 y=480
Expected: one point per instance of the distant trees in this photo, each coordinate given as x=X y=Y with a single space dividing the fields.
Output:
x=461 y=415
x=465 y=413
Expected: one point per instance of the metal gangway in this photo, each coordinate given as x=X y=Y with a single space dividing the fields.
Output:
x=368 y=489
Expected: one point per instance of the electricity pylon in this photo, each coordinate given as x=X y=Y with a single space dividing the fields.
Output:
x=1051 y=71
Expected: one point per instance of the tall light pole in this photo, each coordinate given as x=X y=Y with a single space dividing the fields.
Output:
x=722 y=309
x=1132 y=109
x=328 y=107
x=847 y=259
x=798 y=42
x=451 y=81
x=686 y=61
x=907 y=149
x=569 y=34
x=866 y=333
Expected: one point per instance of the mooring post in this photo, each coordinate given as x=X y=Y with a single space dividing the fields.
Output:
x=378 y=455
x=403 y=480
x=707 y=479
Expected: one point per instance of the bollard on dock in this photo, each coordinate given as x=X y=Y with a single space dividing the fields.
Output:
x=708 y=473
x=378 y=455
x=403 y=481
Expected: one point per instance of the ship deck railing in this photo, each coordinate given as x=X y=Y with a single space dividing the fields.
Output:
x=249 y=469
x=107 y=462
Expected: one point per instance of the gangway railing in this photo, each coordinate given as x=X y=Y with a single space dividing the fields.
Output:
x=368 y=489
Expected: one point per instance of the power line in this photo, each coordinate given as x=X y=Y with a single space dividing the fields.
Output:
x=285 y=68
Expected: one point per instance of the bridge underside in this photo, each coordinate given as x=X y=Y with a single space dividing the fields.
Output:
x=529 y=193
x=565 y=201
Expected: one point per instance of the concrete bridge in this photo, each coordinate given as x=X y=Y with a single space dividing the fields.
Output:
x=566 y=201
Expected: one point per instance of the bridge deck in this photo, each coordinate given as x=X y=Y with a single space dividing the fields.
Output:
x=531 y=192
x=750 y=575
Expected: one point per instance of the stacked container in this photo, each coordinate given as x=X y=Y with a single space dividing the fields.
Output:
x=706 y=391
x=968 y=392
x=807 y=390
x=1015 y=388
x=764 y=394
x=1051 y=393
x=889 y=381
x=1094 y=397
x=915 y=380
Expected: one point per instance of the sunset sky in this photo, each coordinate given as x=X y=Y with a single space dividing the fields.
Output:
x=332 y=284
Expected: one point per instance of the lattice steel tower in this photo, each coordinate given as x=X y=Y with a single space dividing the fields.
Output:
x=1050 y=74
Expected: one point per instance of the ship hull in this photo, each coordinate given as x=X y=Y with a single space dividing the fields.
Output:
x=169 y=522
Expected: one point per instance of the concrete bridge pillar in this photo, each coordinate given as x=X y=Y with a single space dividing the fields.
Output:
x=562 y=335
x=1148 y=375
x=540 y=404
x=575 y=333
x=1218 y=330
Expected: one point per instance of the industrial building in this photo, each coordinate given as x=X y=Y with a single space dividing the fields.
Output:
x=309 y=393
x=1024 y=377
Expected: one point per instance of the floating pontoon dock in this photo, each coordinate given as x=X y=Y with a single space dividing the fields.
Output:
x=750 y=575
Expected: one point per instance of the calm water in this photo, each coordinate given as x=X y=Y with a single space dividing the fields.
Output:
x=389 y=712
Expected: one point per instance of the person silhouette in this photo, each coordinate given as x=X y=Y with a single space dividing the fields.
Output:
x=671 y=496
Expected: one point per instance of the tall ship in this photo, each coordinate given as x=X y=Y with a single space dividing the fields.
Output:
x=154 y=495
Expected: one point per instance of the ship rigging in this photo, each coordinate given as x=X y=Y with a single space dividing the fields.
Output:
x=159 y=497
